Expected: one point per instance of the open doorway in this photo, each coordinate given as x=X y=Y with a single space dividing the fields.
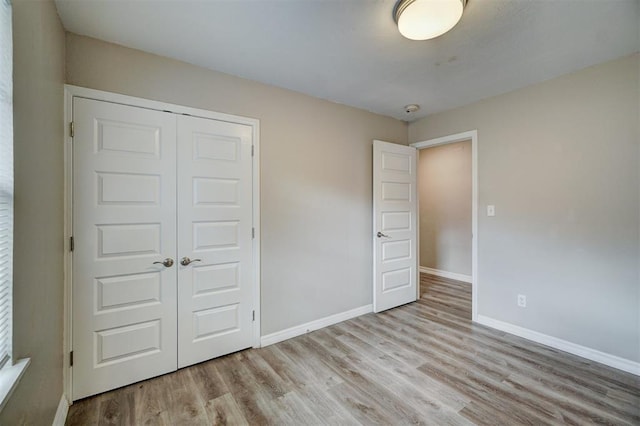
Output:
x=447 y=218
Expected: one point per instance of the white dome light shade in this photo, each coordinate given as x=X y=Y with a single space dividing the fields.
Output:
x=425 y=19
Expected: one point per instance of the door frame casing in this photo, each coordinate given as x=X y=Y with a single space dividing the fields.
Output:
x=444 y=140
x=70 y=92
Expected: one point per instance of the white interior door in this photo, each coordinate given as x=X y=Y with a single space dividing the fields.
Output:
x=124 y=223
x=395 y=236
x=215 y=235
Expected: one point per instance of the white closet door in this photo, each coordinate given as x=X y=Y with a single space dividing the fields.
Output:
x=124 y=220
x=215 y=233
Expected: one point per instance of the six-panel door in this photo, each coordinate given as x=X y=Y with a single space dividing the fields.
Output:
x=151 y=188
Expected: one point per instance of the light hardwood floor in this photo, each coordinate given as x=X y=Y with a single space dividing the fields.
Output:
x=422 y=363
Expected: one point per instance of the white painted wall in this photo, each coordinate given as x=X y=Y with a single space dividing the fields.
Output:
x=560 y=161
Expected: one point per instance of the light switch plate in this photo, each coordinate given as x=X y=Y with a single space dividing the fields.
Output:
x=491 y=210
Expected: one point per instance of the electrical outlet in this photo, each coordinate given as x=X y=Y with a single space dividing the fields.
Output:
x=522 y=300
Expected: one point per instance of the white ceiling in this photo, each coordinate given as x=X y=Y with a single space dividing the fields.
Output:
x=349 y=51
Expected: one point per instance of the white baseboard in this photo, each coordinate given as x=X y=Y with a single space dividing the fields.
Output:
x=582 y=351
x=298 y=330
x=61 y=412
x=445 y=274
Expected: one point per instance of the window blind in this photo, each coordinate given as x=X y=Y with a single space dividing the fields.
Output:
x=6 y=180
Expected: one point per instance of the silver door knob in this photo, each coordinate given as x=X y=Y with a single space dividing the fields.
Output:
x=380 y=235
x=168 y=262
x=186 y=261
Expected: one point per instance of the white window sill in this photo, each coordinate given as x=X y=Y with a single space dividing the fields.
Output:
x=9 y=378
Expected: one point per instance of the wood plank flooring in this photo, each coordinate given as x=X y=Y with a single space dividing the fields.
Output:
x=422 y=363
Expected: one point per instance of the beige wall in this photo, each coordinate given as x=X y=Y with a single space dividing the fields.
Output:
x=560 y=162
x=38 y=75
x=315 y=173
x=444 y=188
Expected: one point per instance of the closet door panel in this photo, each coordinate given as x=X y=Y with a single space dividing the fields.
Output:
x=124 y=220
x=215 y=233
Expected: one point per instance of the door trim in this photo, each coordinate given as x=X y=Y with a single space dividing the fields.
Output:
x=71 y=92
x=459 y=137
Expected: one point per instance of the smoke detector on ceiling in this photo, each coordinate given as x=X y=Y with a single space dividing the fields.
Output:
x=411 y=108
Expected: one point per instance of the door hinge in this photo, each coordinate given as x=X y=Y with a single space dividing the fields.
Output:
x=253 y=315
x=253 y=233
x=71 y=244
x=252 y=150
x=71 y=129
x=71 y=359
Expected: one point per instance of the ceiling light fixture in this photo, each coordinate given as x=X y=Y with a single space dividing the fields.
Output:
x=426 y=19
